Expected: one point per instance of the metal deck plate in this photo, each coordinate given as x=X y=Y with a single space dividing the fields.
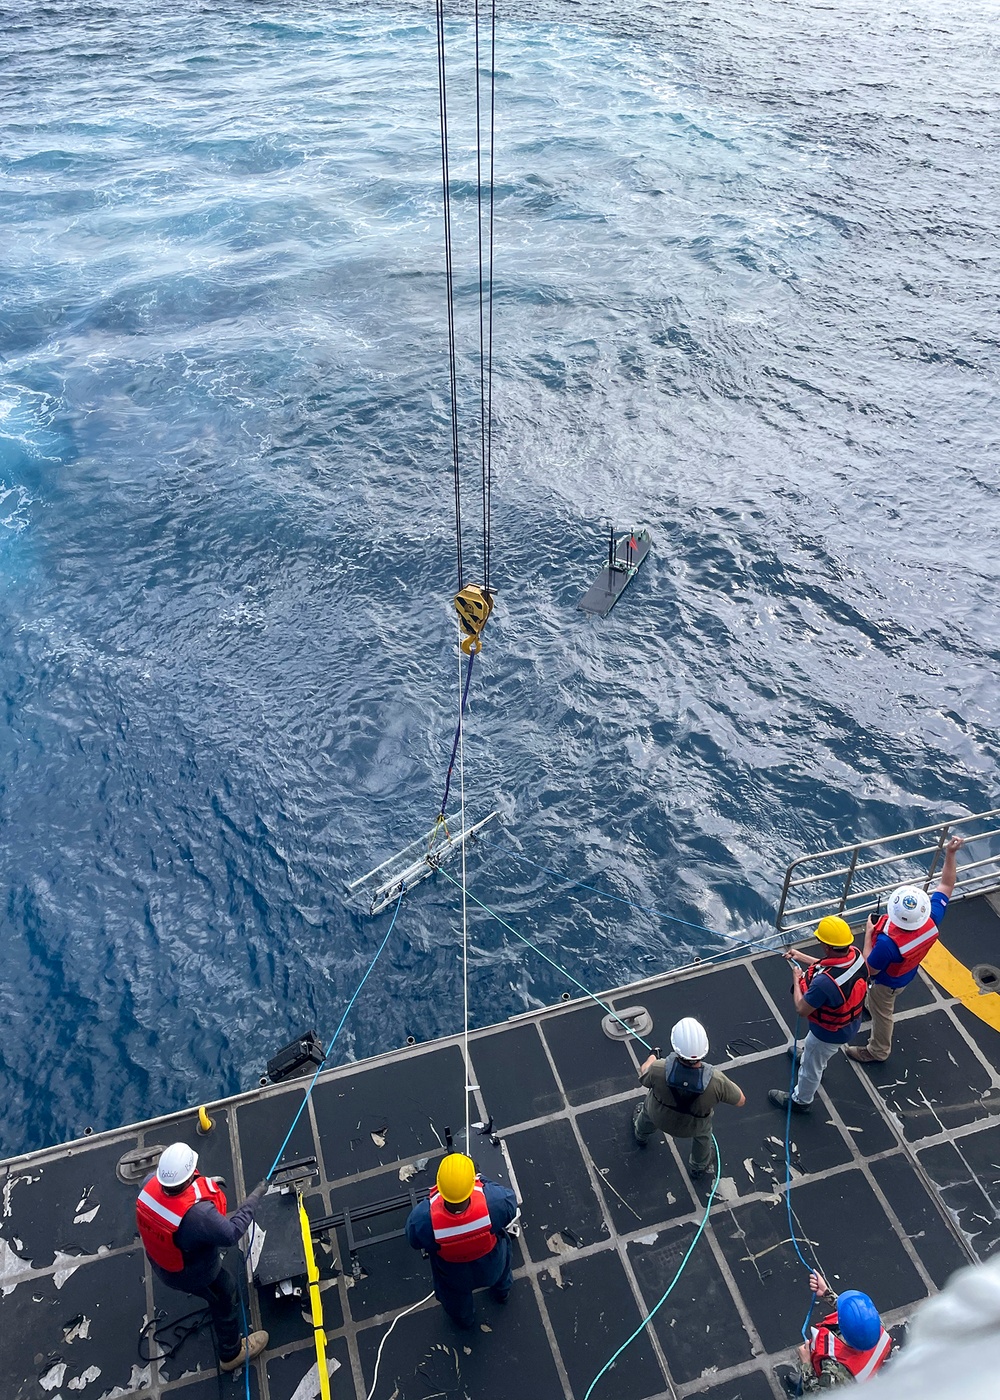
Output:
x=907 y=1151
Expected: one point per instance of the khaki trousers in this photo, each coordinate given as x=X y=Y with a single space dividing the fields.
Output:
x=881 y=1003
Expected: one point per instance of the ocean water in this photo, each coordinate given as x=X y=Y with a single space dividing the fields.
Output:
x=746 y=296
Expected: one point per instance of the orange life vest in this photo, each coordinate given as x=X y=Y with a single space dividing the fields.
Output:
x=464 y=1236
x=826 y=1342
x=850 y=979
x=913 y=944
x=158 y=1215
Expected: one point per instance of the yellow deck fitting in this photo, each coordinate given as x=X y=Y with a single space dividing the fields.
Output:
x=205 y=1124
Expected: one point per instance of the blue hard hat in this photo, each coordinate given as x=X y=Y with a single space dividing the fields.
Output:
x=858 y=1319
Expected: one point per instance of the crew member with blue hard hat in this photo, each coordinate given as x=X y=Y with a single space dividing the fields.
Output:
x=683 y=1093
x=895 y=946
x=182 y=1222
x=830 y=992
x=850 y=1344
x=462 y=1226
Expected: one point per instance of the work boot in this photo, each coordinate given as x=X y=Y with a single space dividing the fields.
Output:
x=792 y=1384
x=249 y=1348
x=793 y=1051
x=640 y=1142
x=862 y=1054
x=781 y=1099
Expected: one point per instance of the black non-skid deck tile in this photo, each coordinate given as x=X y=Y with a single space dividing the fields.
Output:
x=590 y=1065
x=593 y=1312
x=654 y=1188
x=393 y=1112
x=970 y=931
x=865 y=1123
x=752 y=1138
x=263 y=1125
x=505 y=1354
x=753 y=1386
x=515 y=1076
x=89 y=1326
x=698 y=1326
x=932 y=1081
x=987 y=1037
x=963 y=1195
x=939 y=1251
x=70 y=1205
x=285 y=1373
x=393 y=1275
x=560 y=1209
x=211 y=1388
x=840 y=1223
x=726 y=1001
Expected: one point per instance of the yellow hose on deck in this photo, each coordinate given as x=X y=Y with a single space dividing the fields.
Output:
x=315 y=1301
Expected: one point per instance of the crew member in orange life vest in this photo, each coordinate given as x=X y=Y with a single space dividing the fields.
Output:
x=895 y=946
x=849 y=1344
x=183 y=1226
x=463 y=1227
x=831 y=992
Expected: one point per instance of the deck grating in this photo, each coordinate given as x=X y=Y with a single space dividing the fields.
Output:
x=907 y=1152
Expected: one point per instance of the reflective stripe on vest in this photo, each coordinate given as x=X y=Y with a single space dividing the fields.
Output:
x=853 y=976
x=158 y=1215
x=828 y=1342
x=913 y=951
x=464 y=1236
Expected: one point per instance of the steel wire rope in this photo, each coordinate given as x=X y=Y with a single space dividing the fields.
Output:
x=788 y=1177
x=489 y=355
x=482 y=295
x=449 y=280
x=673 y=1282
x=568 y=975
x=465 y=917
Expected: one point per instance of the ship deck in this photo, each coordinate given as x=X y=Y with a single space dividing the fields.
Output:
x=896 y=1185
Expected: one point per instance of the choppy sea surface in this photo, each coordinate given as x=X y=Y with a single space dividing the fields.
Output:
x=746 y=292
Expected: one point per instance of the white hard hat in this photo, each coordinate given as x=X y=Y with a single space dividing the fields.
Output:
x=689 y=1039
x=909 y=907
x=176 y=1165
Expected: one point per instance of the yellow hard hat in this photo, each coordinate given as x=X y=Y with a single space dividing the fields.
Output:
x=834 y=932
x=456 y=1178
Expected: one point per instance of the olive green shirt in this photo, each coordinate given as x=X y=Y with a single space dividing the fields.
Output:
x=669 y=1119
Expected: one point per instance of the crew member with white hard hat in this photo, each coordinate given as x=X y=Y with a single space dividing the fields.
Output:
x=896 y=945
x=683 y=1092
x=183 y=1226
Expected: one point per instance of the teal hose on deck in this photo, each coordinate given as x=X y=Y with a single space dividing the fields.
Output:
x=673 y=1282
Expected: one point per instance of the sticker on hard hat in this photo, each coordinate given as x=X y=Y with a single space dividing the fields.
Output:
x=909 y=901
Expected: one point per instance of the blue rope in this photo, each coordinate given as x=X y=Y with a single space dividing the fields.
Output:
x=788 y=1172
x=619 y=899
x=333 y=1042
x=458 y=732
x=510 y=928
x=673 y=1282
x=246 y=1330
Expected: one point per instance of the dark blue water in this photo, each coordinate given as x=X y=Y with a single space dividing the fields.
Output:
x=747 y=272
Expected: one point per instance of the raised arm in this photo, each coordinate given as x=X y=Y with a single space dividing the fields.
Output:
x=949 y=872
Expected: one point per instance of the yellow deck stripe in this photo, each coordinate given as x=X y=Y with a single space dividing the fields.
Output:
x=958 y=981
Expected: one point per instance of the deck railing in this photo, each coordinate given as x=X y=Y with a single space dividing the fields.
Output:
x=853 y=881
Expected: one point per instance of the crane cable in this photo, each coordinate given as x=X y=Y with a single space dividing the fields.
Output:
x=473 y=602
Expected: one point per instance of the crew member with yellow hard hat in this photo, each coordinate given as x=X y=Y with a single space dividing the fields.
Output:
x=830 y=991
x=462 y=1226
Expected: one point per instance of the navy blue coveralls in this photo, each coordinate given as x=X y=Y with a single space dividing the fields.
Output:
x=200 y=1237
x=454 y=1283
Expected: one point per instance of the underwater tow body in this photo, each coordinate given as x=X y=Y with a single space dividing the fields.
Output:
x=415 y=863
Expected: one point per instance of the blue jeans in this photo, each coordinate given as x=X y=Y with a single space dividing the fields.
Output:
x=816 y=1055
